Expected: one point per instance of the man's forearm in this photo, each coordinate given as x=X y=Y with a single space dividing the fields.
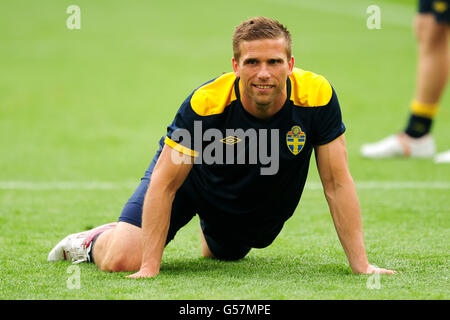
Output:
x=343 y=201
x=155 y=225
x=346 y=213
x=167 y=177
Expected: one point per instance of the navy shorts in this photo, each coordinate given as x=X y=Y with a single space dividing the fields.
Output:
x=183 y=210
x=439 y=8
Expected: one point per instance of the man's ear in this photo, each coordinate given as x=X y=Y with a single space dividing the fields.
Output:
x=235 y=67
x=291 y=65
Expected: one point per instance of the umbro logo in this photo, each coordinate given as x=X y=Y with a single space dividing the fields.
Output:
x=231 y=140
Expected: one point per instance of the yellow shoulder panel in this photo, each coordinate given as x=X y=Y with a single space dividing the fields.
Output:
x=180 y=148
x=309 y=89
x=213 y=97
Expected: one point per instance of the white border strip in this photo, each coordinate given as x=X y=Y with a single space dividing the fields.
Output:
x=96 y=185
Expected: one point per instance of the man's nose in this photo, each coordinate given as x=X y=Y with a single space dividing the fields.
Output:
x=263 y=72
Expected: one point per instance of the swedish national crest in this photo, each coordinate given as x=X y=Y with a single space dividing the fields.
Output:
x=295 y=139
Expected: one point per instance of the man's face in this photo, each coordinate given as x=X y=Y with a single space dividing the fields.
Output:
x=263 y=67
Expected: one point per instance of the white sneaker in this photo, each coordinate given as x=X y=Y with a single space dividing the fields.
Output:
x=443 y=157
x=76 y=247
x=400 y=145
x=71 y=248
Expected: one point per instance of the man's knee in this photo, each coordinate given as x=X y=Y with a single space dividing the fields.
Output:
x=116 y=262
x=429 y=32
x=109 y=264
x=223 y=251
x=121 y=250
x=233 y=256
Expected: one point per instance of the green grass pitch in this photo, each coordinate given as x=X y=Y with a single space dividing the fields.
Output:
x=89 y=106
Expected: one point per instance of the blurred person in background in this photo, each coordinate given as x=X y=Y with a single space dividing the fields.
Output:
x=432 y=29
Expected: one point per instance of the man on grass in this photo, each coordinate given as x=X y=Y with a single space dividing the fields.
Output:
x=237 y=154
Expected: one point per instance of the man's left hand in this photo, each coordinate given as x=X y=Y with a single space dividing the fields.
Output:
x=373 y=269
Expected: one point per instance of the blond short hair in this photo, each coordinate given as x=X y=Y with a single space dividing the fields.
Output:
x=258 y=28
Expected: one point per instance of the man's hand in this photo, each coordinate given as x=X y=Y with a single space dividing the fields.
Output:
x=373 y=269
x=143 y=273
